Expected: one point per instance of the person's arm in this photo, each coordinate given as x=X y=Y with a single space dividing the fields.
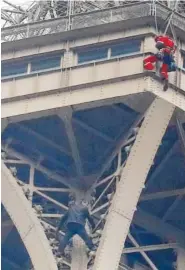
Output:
x=61 y=223
x=91 y=221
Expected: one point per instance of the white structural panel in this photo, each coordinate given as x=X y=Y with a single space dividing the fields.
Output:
x=131 y=184
x=180 y=259
x=22 y=108
x=79 y=255
x=26 y=222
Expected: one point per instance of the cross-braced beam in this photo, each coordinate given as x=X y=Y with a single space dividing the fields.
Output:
x=143 y=253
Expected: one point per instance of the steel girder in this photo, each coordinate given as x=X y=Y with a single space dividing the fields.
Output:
x=26 y=222
x=131 y=184
x=39 y=105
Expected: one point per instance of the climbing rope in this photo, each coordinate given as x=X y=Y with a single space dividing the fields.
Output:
x=155 y=15
x=170 y=17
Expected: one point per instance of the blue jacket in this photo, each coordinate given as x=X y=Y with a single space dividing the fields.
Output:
x=77 y=213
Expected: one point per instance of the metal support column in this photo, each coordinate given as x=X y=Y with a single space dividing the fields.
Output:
x=26 y=222
x=79 y=256
x=131 y=183
x=180 y=259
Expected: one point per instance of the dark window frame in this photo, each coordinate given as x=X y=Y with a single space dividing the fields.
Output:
x=126 y=49
x=183 y=64
x=44 y=58
x=137 y=42
x=92 y=50
x=10 y=65
x=27 y=61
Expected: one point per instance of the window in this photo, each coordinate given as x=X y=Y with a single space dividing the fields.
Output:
x=45 y=62
x=183 y=67
x=38 y=63
x=13 y=68
x=92 y=55
x=127 y=47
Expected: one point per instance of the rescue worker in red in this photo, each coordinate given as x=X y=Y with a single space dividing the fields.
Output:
x=166 y=47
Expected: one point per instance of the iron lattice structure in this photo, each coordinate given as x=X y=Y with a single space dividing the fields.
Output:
x=33 y=11
x=49 y=17
x=36 y=18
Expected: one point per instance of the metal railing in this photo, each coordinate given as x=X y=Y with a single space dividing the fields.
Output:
x=83 y=20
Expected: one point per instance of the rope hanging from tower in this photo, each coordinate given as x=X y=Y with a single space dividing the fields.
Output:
x=166 y=48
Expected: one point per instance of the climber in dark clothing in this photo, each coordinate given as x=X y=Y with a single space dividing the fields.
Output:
x=75 y=220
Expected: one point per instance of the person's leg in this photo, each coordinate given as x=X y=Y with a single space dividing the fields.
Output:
x=148 y=62
x=63 y=243
x=83 y=234
x=164 y=71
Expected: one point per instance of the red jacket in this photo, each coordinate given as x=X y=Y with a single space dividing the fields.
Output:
x=167 y=41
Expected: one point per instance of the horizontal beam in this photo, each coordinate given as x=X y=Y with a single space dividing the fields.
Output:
x=51 y=100
x=64 y=190
x=160 y=228
x=40 y=168
x=43 y=215
x=149 y=248
x=162 y=194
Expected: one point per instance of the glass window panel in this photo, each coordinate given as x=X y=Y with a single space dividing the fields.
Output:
x=92 y=55
x=126 y=47
x=12 y=68
x=45 y=62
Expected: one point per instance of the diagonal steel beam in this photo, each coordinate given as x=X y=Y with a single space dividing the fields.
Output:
x=66 y=116
x=145 y=256
x=159 y=227
x=181 y=133
x=120 y=143
x=180 y=197
x=11 y=264
x=51 y=199
x=41 y=137
x=40 y=168
x=172 y=207
x=93 y=130
x=161 y=165
x=6 y=228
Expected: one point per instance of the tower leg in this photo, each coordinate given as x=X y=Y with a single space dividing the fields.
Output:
x=131 y=184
